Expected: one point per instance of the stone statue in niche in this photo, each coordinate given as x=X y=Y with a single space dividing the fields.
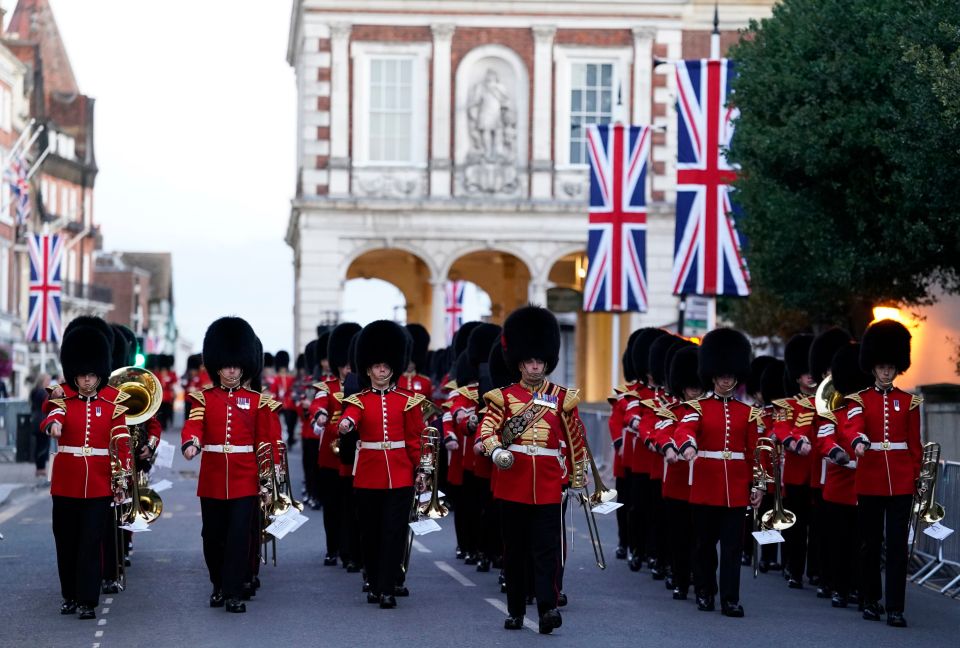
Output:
x=492 y=120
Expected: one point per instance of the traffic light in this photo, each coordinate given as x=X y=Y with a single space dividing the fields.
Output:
x=141 y=359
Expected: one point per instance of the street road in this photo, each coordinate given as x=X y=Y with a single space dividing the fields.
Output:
x=303 y=603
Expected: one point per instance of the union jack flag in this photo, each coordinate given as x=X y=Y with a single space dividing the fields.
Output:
x=617 y=244
x=46 y=259
x=708 y=250
x=16 y=177
x=453 y=309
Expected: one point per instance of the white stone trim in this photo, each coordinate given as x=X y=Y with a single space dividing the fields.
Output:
x=339 y=108
x=441 y=111
x=541 y=186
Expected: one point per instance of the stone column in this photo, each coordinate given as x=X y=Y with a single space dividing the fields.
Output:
x=339 y=109
x=441 y=113
x=643 y=74
x=438 y=336
x=541 y=177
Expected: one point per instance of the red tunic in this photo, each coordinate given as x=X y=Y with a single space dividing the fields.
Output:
x=536 y=478
x=329 y=401
x=87 y=423
x=459 y=460
x=890 y=421
x=839 y=482
x=230 y=418
x=416 y=383
x=307 y=414
x=385 y=417
x=282 y=388
x=168 y=380
x=716 y=426
x=616 y=425
x=791 y=413
x=676 y=480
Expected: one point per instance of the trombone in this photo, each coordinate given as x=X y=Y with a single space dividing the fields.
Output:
x=433 y=508
x=600 y=495
x=777 y=518
x=925 y=508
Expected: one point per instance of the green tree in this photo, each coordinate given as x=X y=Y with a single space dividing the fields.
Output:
x=848 y=143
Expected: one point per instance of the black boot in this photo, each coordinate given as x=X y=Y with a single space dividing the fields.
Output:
x=86 y=612
x=550 y=620
x=621 y=553
x=561 y=600
x=246 y=591
x=838 y=600
x=373 y=598
x=513 y=623
x=872 y=611
x=483 y=564
x=68 y=607
x=110 y=587
x=705 y=603
x=401 y=590
x=387 y=601
x=734 y=610
x=679 y=594
x=330 y=561
x=352 y=567
x=216 y=598
x=235 y=606
x=896 y=620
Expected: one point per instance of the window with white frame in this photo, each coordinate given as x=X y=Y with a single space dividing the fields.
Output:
x=591 y=102
x=391 y=109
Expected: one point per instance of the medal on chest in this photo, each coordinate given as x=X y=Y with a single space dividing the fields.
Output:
x=243 y=403
x=96 y=411
x=545 y=400
x=896 y=405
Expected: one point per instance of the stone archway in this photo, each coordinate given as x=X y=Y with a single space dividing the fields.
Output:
x=502 y=275
x=403 y=269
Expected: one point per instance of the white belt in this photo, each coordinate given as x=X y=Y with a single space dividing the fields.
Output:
x=80 y=451
x=382 y=445
x=889 y=445
x=533 y=450
x=227 y=448
x=718 y=454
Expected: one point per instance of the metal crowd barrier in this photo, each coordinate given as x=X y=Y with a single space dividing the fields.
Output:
x=10 y=411
x=594 y=417
x=941 y=558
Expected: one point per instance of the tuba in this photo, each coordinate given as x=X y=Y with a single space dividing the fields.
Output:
x=828 y=399
x=925 y=508
x=777 y=518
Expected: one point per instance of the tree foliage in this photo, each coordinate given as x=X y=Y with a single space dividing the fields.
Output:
x=849 y=145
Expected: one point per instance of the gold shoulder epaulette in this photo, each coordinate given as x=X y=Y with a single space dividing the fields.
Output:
x=59 y=402
x=354 y=399
x=649 y=402
x=118 y=410
x=469 y=391
x=915 y=401
x=755 y=415
x=338 y=396
x=198 y=396
x=413 y=401
x=451 y=385
x=666 y=413
x=495 y=397
x=830 y=416
x=806 y=403
x=856 y=398
x=571 y=399
x=782 y=403
x=320 y=386
x=121 y=396
x=695 y=404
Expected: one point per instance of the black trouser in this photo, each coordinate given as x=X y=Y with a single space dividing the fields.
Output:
x=78 y=526
x=623 y=527
x=531 y=536
x=165 y=414
x=42 y=451
x=888 y=517
x=350 y=550
x=638 y=532
x=290 y=417
x=655 y=526
x=816 y=545
x=843 y=541
x=455 y=496
x=108 y=569
x=768 y=552
x=383 y=513
x=680 y=532
x=480 y=526
x=255 y=545
x=714 y=524
x=328 y=486
x=310 y=450
x=797 y=500
x=227 y=535
x=469 y=511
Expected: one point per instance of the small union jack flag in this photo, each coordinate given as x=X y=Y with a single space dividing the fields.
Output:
x=708 y=250
x=453 y=308
x=46 y=259
x=16 y=177
x=617 y=245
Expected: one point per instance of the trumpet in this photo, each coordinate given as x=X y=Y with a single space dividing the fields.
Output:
x=433 y=508
x=777 y=518
x=925 y=508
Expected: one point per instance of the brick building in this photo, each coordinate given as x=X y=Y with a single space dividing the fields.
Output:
x=446 y=140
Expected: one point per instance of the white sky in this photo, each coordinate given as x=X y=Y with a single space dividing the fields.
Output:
x=195 y=141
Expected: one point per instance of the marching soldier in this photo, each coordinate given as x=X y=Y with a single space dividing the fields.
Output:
x=771 y=391
x=414 y=379
x=617 y=425
x=351 y=550
x=227 y=423
x=281 y=386
x=524 y=431
x=389 y=423
x=883 y=432
x=796 y=411
x=325 y=411
x=721 y=434
x=84 y=422
x=306 y=390
x=839 y=489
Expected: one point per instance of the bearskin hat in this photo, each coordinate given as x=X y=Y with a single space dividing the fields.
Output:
x=757 y=366
x=310 y=357
x=724 y=351
x=85 y=350
x=465 y=371
x=231 y=342
x=797 y=356
x=640 y=351
x=256 y=380
x=382 y=341
x=323 y=346
x=683 y=371
x=656 y=359
x=338 y=341
x=478 y=346
x=421 y=343
x=281 y=360
x=323 y=328
x=193 y=362
x=822 y=349
x=885 y=342
x=352 y=352
x=678 y=343
x=120 y=352
x=300 y=362
x=531 y=332
x=106 y=330
x=500 y=374
x=772 y=381
x=460 y=339
x=268 y=360
x=848 y=377
x=629 y=374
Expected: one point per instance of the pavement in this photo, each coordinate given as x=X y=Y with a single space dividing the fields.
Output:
x=303 y=603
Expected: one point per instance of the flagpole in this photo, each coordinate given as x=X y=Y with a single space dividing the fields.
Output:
x=615 y=351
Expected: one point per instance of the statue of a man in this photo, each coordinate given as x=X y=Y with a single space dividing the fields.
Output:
x=489 y=111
